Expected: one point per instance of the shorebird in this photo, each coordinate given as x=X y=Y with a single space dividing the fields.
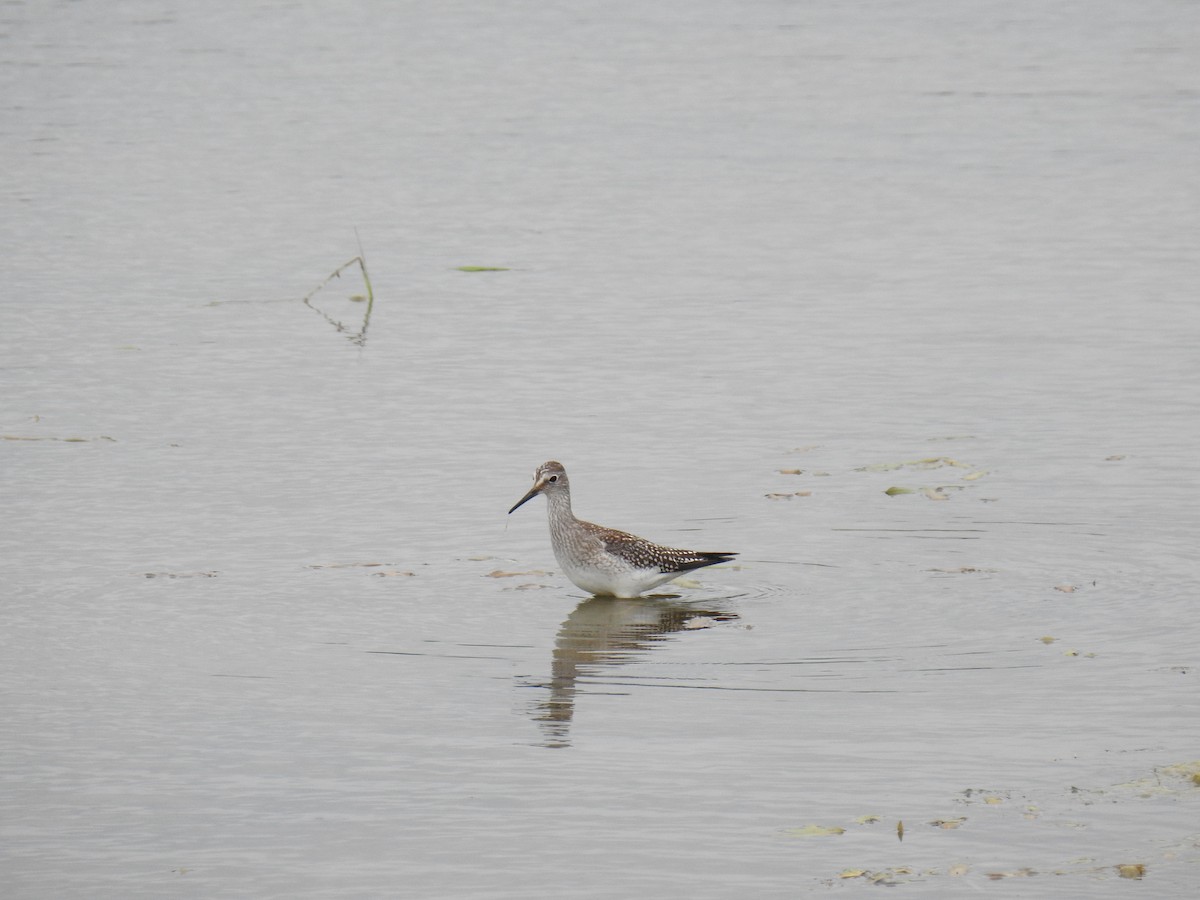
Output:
x=604 y=560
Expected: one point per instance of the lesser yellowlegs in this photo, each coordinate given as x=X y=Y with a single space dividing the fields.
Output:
x=604 y=560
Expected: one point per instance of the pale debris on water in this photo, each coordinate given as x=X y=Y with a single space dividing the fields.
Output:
x=1188 y=774
x=1189 y=770
x=807 y=831
x=179 y=574
x=948 y=823
x=1017 y=873
x=349 y=565
x=891 y=876
x=932 y=462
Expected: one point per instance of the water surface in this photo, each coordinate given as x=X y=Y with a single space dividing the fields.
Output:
x=267 y=631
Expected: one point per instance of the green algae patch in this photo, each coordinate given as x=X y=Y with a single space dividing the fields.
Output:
x=1187 y=770
x=1135 y=871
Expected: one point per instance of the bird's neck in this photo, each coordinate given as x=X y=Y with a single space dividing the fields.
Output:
x=559 y=506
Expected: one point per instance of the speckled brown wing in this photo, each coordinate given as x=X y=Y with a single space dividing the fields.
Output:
x=643 y=554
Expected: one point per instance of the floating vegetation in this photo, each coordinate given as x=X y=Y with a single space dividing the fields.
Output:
x=788 y=495
x=948 y=824
x=988 y=796
x=1165 y=780
x=482 y=269
x=358 y=337
x=895 y=875
x=937 y=492
x=1008 y=807
x=1016 y=873
x=1188 y=770
x=931 y=462
x=499 y=573
x=791 y=471
x=907 y=874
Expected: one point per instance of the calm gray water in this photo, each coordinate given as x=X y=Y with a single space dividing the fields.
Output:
x=265 y=628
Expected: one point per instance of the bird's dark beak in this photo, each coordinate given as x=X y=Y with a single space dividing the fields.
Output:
x=533 y=492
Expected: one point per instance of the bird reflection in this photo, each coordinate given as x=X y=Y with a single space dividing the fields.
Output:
x=602 y=632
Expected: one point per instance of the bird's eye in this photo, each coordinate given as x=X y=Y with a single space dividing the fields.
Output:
x=552 y=479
